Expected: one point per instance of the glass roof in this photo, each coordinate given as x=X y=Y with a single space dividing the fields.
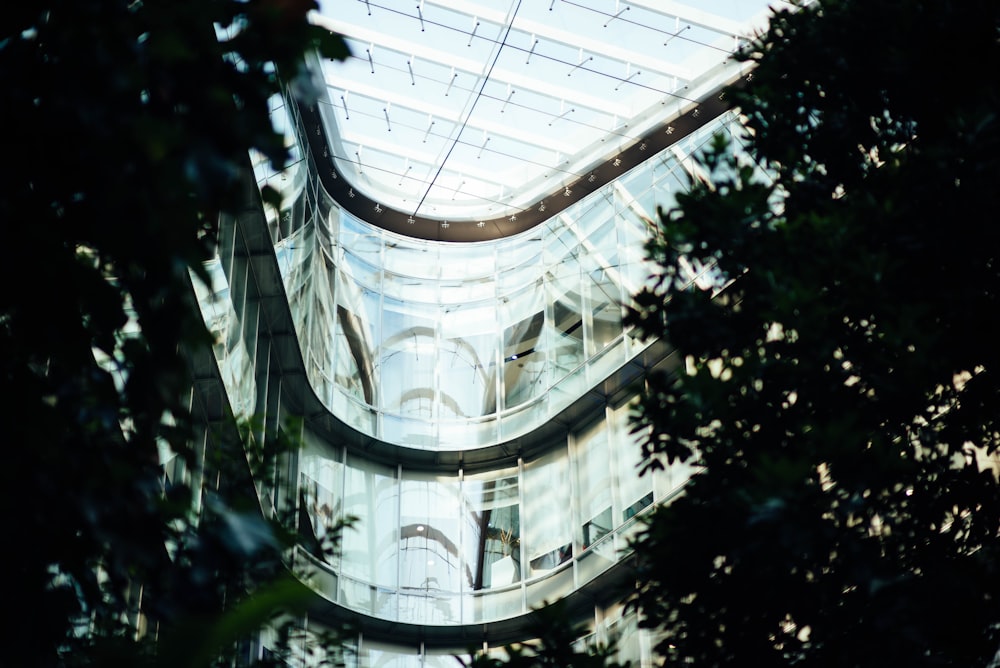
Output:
x=459 y=110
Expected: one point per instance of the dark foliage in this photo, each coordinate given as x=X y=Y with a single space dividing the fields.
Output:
x=840 y=389
x=127 y=124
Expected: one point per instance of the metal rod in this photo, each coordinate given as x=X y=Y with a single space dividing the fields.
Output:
x=562 y=115
x=620 y=12
x=579 y=65
x=510 y=93
x=628 y=78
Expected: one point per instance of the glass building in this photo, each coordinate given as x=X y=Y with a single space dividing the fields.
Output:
x=440 y=299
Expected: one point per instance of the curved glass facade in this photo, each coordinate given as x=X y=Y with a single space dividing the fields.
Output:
x=467 y=402
x=449 y=346
x=437 y=347
x=455 y=548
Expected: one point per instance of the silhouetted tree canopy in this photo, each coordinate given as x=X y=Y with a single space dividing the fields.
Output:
x=128 y=124
x=838 y=383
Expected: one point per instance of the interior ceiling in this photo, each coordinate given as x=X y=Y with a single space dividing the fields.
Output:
x=459 y=110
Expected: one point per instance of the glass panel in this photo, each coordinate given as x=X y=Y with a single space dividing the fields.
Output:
x=319 y=508
x=414 y=432
x=565 y=321
x=216 y=308
x=418 y=290
x=445 y=659
x=357 y=333
x=407 y=360
x=634 y=270
x=593 y=214
x=598 y=558
x=354 y=413
x=455 y=435
x=468 y=363
x=523 y=418
x=525 y=371
x=492 y=605
x=524 y=358
x=626 y=633
x=593 y=482
x=550 y=588
x=429 y=606
x=320 y=575
x=600 y=265
x=360 y=272
x=635 y=492
x=361 y=238
x=491 y=533
x=412 y=258
x=379 y=601
x=380 y=655
x=429 y=558
x=547 y=513
x=370 y=548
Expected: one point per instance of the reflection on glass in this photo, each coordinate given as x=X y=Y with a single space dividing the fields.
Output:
x=444 y=659
x=353 y=370
x=548 y=515
x=380 y=655
x=524 y=360
x=429 y=555
x=605 y=309
x=625 y=633
x=492 y=532
x=427 y=334
x=635 y=491
x=407 y=359
x=319 y=512
x=567 y=333
x=554 y=586
x=451 y=548
x=593 y=477
x=597 y=527
x=370 y=549
x=467 y=363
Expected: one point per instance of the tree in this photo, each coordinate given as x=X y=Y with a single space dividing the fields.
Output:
x=840 y=389
x=135 y=120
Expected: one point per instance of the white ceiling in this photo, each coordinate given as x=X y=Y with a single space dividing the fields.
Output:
x=460 y=110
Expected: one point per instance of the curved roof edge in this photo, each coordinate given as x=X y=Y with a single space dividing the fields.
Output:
x=381 y=215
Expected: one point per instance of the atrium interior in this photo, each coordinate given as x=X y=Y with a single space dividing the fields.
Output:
x=440 y=299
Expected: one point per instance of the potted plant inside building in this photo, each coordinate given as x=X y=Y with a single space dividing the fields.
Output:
x=505 y=570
